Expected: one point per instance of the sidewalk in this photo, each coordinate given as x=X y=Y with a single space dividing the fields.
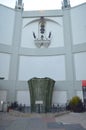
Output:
x=69 y=121
x=73 y=118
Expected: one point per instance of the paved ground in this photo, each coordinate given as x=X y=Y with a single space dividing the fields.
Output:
x=16 y=121
x=73 y=118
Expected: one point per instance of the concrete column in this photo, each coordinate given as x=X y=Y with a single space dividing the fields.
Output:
x=13 y=75
x=15 y=46
x=68 y=50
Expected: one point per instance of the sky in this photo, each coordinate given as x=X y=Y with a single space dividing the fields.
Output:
x=40 y=4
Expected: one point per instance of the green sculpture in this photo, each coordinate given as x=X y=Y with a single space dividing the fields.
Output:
x=41 y=90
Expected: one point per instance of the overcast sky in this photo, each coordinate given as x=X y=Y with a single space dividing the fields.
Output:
x=40 y=4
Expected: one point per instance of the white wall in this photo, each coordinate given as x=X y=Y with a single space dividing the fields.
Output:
x=42 y=66
x=3 y=96
x=4 y=65
x=80 y=65
x=6 y=25
x=53 y=25
x=80 y=94
x=78 y=20
x=27 y=33
x=23 y=97
x=59 y=97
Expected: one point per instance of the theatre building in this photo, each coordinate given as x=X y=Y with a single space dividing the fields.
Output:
x=43 y=43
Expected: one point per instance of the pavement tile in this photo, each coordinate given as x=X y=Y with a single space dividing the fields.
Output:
x=48 y=119
x=73 y=127
x=5 y=123
x=39 y=122
x=57 y=129
x=19 y=124
x=54 y=125
x=2 y=128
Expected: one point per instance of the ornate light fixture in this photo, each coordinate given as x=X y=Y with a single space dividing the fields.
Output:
x=42 y=40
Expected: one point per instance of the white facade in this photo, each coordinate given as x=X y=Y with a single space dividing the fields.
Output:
x=63 y=60
x=45 y=66
x=6 y=25
x=54 y=25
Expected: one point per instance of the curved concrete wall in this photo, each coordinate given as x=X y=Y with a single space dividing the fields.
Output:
x=78 y=21
x=53 y=25
x=64 y=60
x=7 y=19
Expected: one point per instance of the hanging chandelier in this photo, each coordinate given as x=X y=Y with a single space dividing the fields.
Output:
x=42 y=40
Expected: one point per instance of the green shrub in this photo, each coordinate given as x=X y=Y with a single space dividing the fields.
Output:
x=76 y=104
x=75 y=100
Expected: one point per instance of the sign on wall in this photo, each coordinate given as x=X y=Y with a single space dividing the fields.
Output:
x=84 y=91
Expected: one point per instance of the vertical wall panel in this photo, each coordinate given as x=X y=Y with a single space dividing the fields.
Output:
x=4 y=65
x=78 y=20
x=23 y=97
x=45 y=66
x=59 y=97
x=80 y=94
x=3 y=96
x=80 y=65
x=6 y=25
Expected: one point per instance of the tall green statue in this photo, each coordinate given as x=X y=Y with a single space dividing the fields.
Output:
x=41 y=90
